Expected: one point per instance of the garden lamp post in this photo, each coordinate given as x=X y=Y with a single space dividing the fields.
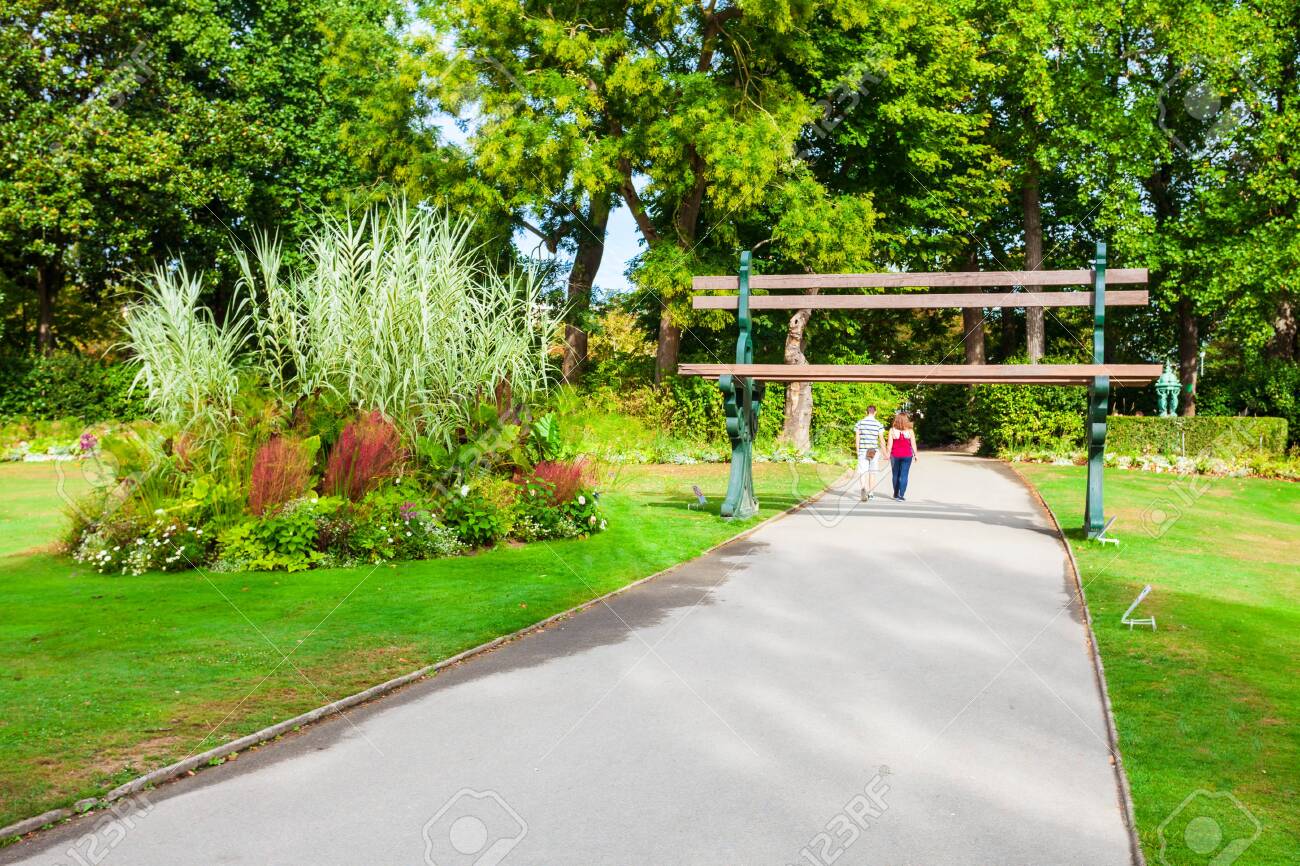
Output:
x=1167 y=388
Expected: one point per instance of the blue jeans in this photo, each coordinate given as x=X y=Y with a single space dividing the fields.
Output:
x=900 y=465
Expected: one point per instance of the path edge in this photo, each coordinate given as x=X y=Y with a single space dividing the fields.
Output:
x=1099 y=674
x=197 y=762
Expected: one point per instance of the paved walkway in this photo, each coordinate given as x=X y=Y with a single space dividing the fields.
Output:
x=901 y=683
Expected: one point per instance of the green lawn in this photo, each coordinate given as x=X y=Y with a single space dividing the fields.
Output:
x=32 y=500
x=106 y=677
x=1211 y=700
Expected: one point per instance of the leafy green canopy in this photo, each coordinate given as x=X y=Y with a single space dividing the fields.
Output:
x=134 y=130
x=682 y=110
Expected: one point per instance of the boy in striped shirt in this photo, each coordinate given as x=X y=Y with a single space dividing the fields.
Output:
x=870 y=438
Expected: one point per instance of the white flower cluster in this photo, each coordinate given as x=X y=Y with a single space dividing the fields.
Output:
x=163 y=545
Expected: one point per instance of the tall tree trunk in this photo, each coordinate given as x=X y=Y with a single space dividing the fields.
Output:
x=1007 y=335
x=1284 y=344
x=670 y=341
x=972 y=318
x=591 y=249
x=1189 y=347
x=670 y=335
x=685 y=222
x=1035 y=340
x=797 y=426
x=47 y=287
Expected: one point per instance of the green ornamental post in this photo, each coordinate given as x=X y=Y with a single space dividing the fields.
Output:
x=1167 y=388
x=1094 y=522
x=742 y=398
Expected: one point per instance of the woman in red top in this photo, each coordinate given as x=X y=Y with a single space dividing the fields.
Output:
x=902 y=451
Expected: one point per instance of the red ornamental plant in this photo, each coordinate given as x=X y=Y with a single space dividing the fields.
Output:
x=563 y=478
x=281 y=471
x=367 y=451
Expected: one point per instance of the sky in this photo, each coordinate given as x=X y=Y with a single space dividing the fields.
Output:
x=622 y=240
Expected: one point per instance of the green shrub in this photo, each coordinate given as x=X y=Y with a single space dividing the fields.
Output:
x=390 y=523
x=67 y=385
x=476 y=521
x=1019 y=417
x=285 y=541
x=1203 y=434
x=1267 y=387
x=947 y=414
x=837 y=407
x=771 y=414
x=687 y=407
x=539 y=517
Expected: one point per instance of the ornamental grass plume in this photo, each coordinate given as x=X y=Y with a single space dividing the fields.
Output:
x=394 y=308
x=281 y=471
x=367 y=451
x=563 y=478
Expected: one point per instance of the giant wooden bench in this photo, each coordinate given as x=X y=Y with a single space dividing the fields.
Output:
x=742 y=383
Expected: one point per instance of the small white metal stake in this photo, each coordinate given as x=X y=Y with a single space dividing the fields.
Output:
x=1127 y=618
x=700 y=499
x=1103 y=538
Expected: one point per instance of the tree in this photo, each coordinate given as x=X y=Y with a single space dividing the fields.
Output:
x=816 y=232
x=905 y=126
x=677 y=109
x=137 y=129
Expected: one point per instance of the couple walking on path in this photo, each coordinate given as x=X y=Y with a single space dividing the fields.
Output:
x=899 y=442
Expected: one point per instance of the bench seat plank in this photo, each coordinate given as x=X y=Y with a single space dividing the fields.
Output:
x=937 y=374
x=922 y=300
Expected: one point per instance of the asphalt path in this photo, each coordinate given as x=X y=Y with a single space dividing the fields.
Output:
x=859 y=683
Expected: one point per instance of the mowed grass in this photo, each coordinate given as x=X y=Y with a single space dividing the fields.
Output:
x=106 y=677
x=32 y=496
x=1209 y=703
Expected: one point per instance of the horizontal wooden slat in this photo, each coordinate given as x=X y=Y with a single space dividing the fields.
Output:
x=938 y=374
x=922 y=300
x=941 y=279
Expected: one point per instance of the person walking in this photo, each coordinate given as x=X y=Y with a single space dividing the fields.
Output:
x=871 y=441
x=902 y=451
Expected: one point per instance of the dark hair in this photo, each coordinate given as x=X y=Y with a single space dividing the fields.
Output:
x=871 y=410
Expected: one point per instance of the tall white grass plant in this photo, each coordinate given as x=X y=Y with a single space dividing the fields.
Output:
x=391 y=309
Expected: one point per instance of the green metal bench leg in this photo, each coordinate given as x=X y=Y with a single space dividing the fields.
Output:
x=1094 y=516
x=1094 y=520
x=742 y=399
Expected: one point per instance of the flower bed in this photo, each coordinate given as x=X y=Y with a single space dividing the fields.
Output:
x=1254 y=465
x=331 y=418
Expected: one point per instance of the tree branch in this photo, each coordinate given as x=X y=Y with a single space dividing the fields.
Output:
x=713 y=23
x=634 y=203
x=552 y=243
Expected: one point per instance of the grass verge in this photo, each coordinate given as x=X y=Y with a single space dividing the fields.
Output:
x=107 y=677
x=1207 y=705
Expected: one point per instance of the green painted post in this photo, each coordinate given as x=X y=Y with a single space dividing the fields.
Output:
x=1094 y=520
x=742 y=398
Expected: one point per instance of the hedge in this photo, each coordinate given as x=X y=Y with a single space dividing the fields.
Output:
x=1010 y=418
x=67 y=385
x=838 y=406
x=1210 y=435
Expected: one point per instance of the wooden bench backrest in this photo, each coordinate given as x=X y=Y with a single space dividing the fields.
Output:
x=940 y=280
